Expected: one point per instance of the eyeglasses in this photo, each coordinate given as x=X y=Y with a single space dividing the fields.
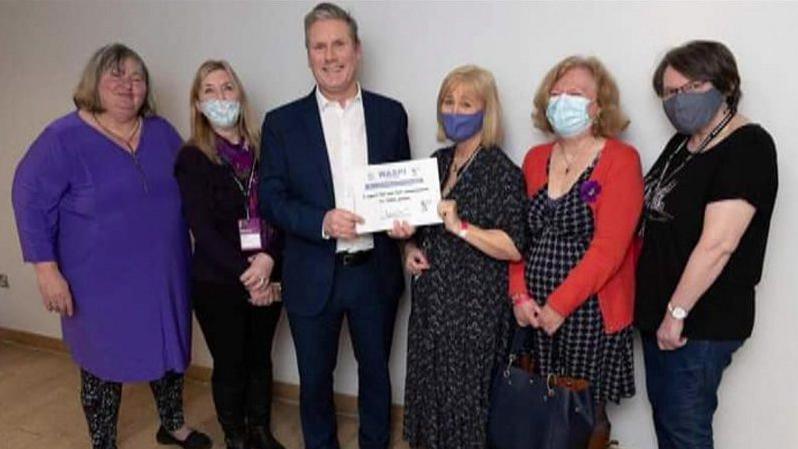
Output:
x=688 y=87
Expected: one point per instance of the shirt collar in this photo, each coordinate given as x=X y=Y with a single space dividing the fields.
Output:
x=325 y=102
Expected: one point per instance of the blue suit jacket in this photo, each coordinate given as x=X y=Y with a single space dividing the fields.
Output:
x=296 y=190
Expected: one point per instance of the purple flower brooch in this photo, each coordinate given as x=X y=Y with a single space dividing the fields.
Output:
x=589 y=190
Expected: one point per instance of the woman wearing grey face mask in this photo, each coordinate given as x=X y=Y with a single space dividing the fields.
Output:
x=709 y=199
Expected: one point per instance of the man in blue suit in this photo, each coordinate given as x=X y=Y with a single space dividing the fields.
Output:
x=310 y=147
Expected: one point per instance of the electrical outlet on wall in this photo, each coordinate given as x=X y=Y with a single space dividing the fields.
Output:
x=3 y=280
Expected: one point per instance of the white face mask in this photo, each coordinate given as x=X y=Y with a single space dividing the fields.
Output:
x=221 y=113
x=568 y=114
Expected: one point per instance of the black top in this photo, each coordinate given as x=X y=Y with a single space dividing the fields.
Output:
x=212 y=204
x=742 y=166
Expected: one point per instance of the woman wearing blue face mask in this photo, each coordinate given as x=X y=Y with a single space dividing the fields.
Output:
x=236 y=260
x=709 y=200
x=460 y=315
x=575 y=284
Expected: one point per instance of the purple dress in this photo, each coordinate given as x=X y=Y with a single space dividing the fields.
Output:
x=113 y=224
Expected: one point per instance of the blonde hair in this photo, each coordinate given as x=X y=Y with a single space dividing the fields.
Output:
x=609 y=121
x=202 y=135
x=484 y=86
x=107 y=58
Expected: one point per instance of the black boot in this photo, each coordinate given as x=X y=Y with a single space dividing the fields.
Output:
x=260 y=437
x=229 y=402
x=236 y=442
x=259 y=411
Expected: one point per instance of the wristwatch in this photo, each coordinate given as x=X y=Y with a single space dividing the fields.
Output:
x=677 y=312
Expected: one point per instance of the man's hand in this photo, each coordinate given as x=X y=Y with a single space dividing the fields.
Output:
x=340 y=224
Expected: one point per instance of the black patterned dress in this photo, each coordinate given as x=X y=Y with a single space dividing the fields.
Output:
x=461 y=318
x=560 y=232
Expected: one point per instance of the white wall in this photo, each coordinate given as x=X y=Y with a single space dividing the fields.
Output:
x=409 y=47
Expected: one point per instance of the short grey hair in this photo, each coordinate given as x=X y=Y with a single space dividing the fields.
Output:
x=330 y=11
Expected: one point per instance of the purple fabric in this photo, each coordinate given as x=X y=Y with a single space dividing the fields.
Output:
x=242 y=161
x=237 y=155
x=116 y=230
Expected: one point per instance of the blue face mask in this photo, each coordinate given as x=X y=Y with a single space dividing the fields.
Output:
x=568 y=114
x=221 y=113
x=460 y=127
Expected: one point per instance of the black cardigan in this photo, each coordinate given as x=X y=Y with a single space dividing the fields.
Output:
x=212 y=205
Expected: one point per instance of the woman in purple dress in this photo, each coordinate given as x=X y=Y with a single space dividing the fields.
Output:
x=236 y=262
x=98 y=214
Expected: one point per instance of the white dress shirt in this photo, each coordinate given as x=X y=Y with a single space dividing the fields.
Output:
x=345 y=136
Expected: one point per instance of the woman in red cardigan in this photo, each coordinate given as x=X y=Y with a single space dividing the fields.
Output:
x=575 y=284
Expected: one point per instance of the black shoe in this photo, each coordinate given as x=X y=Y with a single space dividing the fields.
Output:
x=260 y=437
x=194 y=440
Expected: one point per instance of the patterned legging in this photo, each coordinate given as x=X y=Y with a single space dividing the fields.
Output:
x=101 y=400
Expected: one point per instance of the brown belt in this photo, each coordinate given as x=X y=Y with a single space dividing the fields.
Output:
x=526 y=363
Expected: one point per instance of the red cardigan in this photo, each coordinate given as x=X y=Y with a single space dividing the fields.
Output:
x=608 y=266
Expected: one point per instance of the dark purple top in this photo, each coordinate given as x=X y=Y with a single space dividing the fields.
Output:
x=213 y=202
x=112 y=222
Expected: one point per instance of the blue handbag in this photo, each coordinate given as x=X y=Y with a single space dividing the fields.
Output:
x=530 y=411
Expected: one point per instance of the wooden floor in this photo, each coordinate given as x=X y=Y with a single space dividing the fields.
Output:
x=40 y=408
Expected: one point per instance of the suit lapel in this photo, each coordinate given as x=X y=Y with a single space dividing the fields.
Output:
x=375 y=150
x=317 y=143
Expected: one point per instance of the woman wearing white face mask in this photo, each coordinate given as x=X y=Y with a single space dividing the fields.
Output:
x=709 y=200
x=235 y=266
x=575 y=281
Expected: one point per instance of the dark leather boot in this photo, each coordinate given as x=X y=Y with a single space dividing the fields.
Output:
x=239 y=442
x=260 y=437
x=229 y=403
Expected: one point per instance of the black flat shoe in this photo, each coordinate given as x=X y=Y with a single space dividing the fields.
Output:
x=194 y=440
x=260 y=437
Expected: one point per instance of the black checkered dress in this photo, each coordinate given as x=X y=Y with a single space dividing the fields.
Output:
x=560 y=233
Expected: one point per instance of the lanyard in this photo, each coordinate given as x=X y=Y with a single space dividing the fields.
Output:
x=699 y=150
x=247 y=192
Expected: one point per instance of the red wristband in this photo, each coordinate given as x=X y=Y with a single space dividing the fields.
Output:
x=463 y=229
x=520 y=298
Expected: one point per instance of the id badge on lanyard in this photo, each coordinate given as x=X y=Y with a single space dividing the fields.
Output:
x=249 y=229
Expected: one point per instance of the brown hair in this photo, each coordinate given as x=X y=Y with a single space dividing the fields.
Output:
x=483 y=84
x=703 y=61
x=331 y=11
x=609 y=121
x=202 y=135
x=109 y=57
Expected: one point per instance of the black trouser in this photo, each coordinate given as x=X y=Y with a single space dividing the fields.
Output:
x=239 y=336
x=101 y=399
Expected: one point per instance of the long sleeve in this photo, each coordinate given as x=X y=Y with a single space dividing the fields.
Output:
x=40 y=182
x=616 y=218
x=404 y=141
x=278 y=205
x=191 y=171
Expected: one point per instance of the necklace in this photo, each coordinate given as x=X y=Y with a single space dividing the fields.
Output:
x=569 y=163
x=455 y=172
x=458 y=171
x=127 y=141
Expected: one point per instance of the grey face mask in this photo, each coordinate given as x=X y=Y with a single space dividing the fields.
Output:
x=691 y=111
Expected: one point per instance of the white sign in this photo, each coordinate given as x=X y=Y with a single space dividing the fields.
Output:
x=397 y=191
